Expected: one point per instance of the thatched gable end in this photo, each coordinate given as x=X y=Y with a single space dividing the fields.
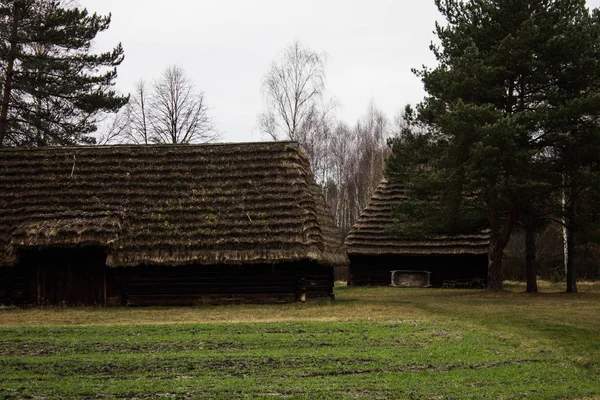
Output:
x=370 y=236
x=167 y=205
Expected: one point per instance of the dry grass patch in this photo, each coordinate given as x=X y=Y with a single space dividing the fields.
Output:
x=352 y=304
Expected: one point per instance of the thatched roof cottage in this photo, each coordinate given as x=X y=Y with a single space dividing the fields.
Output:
x=163 y=224
x=374 y=252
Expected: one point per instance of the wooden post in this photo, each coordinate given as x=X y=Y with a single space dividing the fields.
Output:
x=39 y=285
x=68 y=297
x=332 y=283
x=104 y=286
x=125 y=293
x=8 y=290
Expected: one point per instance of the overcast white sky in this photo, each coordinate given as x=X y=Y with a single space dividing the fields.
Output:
x=226 y=47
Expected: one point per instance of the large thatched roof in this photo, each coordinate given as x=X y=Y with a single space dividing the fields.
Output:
x=370 y=236
x=167 y=205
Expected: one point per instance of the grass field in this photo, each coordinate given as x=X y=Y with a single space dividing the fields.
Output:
x=370 y=343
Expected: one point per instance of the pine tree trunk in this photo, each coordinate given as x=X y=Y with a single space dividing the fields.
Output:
x=495 y=263
x=572 y=242
x=8 y=77
x=530 y=259
x=499 y=236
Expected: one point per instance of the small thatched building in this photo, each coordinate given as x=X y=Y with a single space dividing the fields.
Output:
x=374 y=252
x=177 y=224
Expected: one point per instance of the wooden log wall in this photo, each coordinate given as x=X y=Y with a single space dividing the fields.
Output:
x=75 y=277
x=197 y=284
x=13 y=286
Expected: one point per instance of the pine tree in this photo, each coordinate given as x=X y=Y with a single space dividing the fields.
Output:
x=53 y=87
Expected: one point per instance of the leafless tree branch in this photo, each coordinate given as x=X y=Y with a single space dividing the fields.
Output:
x=293 y=89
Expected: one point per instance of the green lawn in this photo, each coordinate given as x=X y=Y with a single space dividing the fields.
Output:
x=370 y=343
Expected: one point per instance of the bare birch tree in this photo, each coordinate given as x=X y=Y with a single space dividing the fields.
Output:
x=293 y=92
x=292 y=88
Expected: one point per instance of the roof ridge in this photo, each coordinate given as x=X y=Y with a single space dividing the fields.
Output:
x=292 y=143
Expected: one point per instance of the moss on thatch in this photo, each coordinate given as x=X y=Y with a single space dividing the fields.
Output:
x=167 y=205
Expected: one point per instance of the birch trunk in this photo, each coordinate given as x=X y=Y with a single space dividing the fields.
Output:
x=572 y=242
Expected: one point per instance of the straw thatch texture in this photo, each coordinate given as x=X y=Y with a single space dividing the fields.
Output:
x=369 y=236
x=167 y=205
